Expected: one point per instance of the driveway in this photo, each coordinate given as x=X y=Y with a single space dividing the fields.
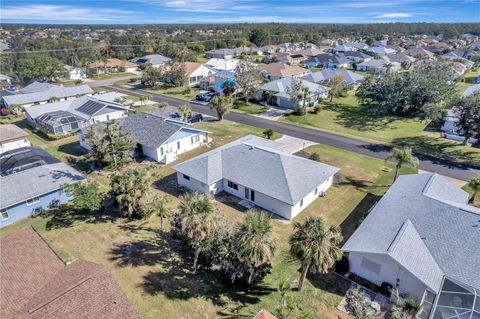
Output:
x=273 y=113
x=428 y=163
x=293 y=145
x=107 y=82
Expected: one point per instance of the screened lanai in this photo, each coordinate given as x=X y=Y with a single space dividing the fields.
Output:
x=60 y=122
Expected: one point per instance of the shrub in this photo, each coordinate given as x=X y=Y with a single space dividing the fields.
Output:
x=316 y=109
x=5 y=111
x=268 y=133
x=315 y=157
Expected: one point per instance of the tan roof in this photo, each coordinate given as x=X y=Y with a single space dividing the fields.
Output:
x=10 y=132
x=264 y=314
x=34 y=283
x=113 y=63
x=190 y=67
x=282 y=70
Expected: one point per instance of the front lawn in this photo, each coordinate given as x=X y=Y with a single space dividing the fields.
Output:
x=154 y=270
x=110 y=75
x=241 y=106
x=186 y=93
x=345 y=117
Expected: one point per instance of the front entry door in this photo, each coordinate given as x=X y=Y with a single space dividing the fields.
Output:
x=252 y=195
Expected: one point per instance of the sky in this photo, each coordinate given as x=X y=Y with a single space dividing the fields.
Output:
x=237 y=11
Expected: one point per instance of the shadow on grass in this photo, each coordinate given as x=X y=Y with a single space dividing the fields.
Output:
x=329 y=282
x=66 y=215
x=73 y=149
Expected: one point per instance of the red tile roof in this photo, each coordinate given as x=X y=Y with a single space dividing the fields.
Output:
x=34 y=283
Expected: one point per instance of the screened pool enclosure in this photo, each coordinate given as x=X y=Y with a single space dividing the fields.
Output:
x=60 y=122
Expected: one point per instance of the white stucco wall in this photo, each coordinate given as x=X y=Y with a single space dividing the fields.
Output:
x=314 y=194
x=108 y=116
x=389 y=272
x=192 y=184
x=13 y=145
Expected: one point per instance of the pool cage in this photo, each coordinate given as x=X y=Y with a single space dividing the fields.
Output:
x=60 y=122
x=455 y=301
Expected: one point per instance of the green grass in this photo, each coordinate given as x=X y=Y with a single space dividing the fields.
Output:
x=248 y=108
x=345 y=117
x=110 y=75
x=157 y=278
x=183 y=93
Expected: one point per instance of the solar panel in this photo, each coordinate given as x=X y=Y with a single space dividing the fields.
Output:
x=90 y=107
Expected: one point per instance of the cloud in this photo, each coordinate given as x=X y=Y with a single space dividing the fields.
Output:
x=393 y=15
x=217 y=6
x=60 y=13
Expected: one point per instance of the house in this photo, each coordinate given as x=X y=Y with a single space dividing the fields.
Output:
x=155 y=60
x=356 y=56
x=276 y=93
x=222 y=64
x=326 y=60
x=427 y=249
x=12 y=137
x=42 y=93
x=380 y=51
x=349 y=78
x=112 y=65
x=310 y=52
x=32 y=180
x=379 y=65
x=293 y=58
x=217 y=81
x=264 y=314
x=275 y=71
x=75 y=73
x=66 y=117
x=419 y=53
x=196 y=72
x=36 y=283
x=222 y=54
x=258 y=171
x=350 y=46
x=158 y=138
x=399 y=58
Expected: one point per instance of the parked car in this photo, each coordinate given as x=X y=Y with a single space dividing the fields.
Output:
x=194 y=118
x=206 y=97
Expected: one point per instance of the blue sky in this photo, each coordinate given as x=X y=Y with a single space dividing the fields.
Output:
x=233 y=11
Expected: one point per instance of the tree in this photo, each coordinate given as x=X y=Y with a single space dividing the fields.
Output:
x=358 y=306
x=176 y=74
x=162 y=208
x=289 y=308
x=86 y=195
x=315 y=245
x=221 y=105
x=336 y=86
x=268 y=133
x=474 y=185
x=196 y=220
x=248 y=78
x=402 y=156
x=185 y=110
x=151 y=76
x=467 y=111
x=259 y=36
x=402 y=308
x=298 y=93
x=253 y=241
x=41 y=67
x=129 y=188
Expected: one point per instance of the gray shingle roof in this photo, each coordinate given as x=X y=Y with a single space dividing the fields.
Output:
x=281 y=85
x=349 y=77
x=448 y=227
x=35 y=181
x=154 y=59
x=38 y=92
x=260 y=165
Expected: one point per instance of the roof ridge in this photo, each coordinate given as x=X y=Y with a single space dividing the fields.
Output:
x=399 y=235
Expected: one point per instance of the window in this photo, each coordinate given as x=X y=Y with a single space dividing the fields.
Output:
x=195 y=139
x=371 y=265
x=186 y=177
x=33 y=200
x=178 y=144
x=4 y=214
x=232 y=185
x=316 y=191
x=301 y=203
x=161 y=151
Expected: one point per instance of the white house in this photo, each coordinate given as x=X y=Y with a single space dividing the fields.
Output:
x=159 y=139
x=75 y=73
x=155 y=60
x=196 y=72
x=422 y=238
x=258 y=171
x=275 y=71
x=12 y=137
x=379 y=65
x=222 y=64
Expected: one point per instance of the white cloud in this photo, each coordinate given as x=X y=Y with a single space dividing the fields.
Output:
x=60 y=13
x=393 y=15
x=203 y=5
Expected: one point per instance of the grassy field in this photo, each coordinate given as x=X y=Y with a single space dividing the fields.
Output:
x=249 y=108
x=345 y=117
x=155 y=271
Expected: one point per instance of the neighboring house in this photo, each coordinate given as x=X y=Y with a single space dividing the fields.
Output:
x=326 y=60
x=356 y=56
x=196 y=72
x=399 y=58
x=275 y=71
x=159 y=139
x=222 y=64
x=32 y=181
x=350 y=46
x=42 y=93
x=276 y=93
x=258 y=171
x=12 y=137
x=67 y=117
x=349 y=78
x=155 y=60
x=217 y=81
x=75 y=73
x=379 y=65
x=381 y=51
x=293 y=58
x=419 y=53
x=264 y=314
x=423 y=239
x=222 y=54
x=36 y=283
x=309 y=52
x=112 y=65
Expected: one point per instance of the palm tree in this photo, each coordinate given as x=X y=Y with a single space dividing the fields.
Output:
x=253 y=241
x=408 y=308
x=221 y=104
x=196 y=220
x=315 y=244
x=269 y=97
x=162 y=208
x=402 y=156
x=185 y=110
x=474 y=184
